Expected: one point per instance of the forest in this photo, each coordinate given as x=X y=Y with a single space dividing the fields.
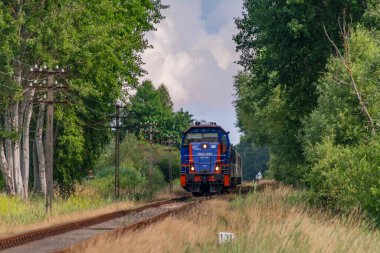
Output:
x=309 y=90
x=98 y=45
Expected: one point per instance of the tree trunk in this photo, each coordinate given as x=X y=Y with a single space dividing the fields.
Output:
x=36 y=173
x=4 y=166
x=40 y=147
x=21 y=113
x=25 y=139
x=16 y=151
x=8 y=145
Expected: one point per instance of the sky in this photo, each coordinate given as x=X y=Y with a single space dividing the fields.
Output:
x=193 y=55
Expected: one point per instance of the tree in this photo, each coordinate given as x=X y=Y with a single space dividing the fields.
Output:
x=150 y=113
x=340 y=143
x=101 y=41
x=283 y=51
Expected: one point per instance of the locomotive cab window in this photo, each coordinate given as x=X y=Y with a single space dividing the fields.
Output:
x=200 y=137
x=210 y=137
x=193 y=137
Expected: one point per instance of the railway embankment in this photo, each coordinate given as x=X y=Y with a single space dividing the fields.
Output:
x=274 y=218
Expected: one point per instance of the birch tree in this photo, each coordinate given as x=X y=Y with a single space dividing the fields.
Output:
x=101 y=41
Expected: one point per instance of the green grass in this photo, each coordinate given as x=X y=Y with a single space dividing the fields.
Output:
x=14 y=211
x=141 y=176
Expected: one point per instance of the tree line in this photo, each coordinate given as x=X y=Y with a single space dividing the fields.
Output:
x=101 y=43
x=150 y=115
x=310 y=92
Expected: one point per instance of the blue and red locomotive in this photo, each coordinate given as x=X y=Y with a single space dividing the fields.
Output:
x=209 y=163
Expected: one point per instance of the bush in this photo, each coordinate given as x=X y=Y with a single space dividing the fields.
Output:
x=143 y=169
x=344 y=177
x=342 y=154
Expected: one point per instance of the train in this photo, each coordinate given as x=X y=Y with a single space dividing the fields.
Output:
x=209 y=162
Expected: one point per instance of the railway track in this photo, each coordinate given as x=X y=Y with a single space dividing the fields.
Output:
x=61 y=238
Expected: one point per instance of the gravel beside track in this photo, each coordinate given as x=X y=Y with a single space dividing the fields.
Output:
x=64 y=240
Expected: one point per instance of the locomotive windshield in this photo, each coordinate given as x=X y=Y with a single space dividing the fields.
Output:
x=200 y=137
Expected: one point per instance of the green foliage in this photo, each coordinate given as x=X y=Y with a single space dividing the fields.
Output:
x=344 y=177
x=143 y=169
x=15 y=211
x=342 y=155
x=101 y=42
x=339 y=115
x=104 y=41
x=298 y=100
x=255 y=159
x=132 y=183
x=2 y=183
x=151 y=107
x=283 y=51
x=70 y=146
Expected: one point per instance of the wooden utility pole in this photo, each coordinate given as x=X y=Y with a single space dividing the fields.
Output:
x=170 y=172
x=49 y=152
x=117 y=128
x=170 y=143
x=117 y=152
x=49 y=142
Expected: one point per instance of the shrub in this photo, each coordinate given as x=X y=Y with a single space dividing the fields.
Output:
x=143 y=169
x=341 y=151
x=347 y=176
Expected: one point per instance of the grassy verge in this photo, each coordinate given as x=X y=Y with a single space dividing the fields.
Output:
x=143 y=170
x=18 y=216
x=271 y=220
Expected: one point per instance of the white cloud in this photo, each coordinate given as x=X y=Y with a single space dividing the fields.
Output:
x=198 y=67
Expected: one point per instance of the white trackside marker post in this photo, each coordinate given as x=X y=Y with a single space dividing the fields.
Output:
x=225 y=237
x=259 y=176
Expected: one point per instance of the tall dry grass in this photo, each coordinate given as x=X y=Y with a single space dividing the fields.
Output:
x=18 y=216
x=273 y=220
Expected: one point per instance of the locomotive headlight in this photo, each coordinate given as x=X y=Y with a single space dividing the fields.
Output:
x=217 y=168
x=204 y=146
x=192 y=168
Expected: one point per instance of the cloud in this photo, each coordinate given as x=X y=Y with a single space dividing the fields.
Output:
x=197 y=62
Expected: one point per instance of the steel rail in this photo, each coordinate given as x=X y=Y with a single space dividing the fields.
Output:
x=78 y=247
x=39 y=234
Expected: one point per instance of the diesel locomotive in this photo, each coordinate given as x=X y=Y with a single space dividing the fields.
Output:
x=209 y=163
